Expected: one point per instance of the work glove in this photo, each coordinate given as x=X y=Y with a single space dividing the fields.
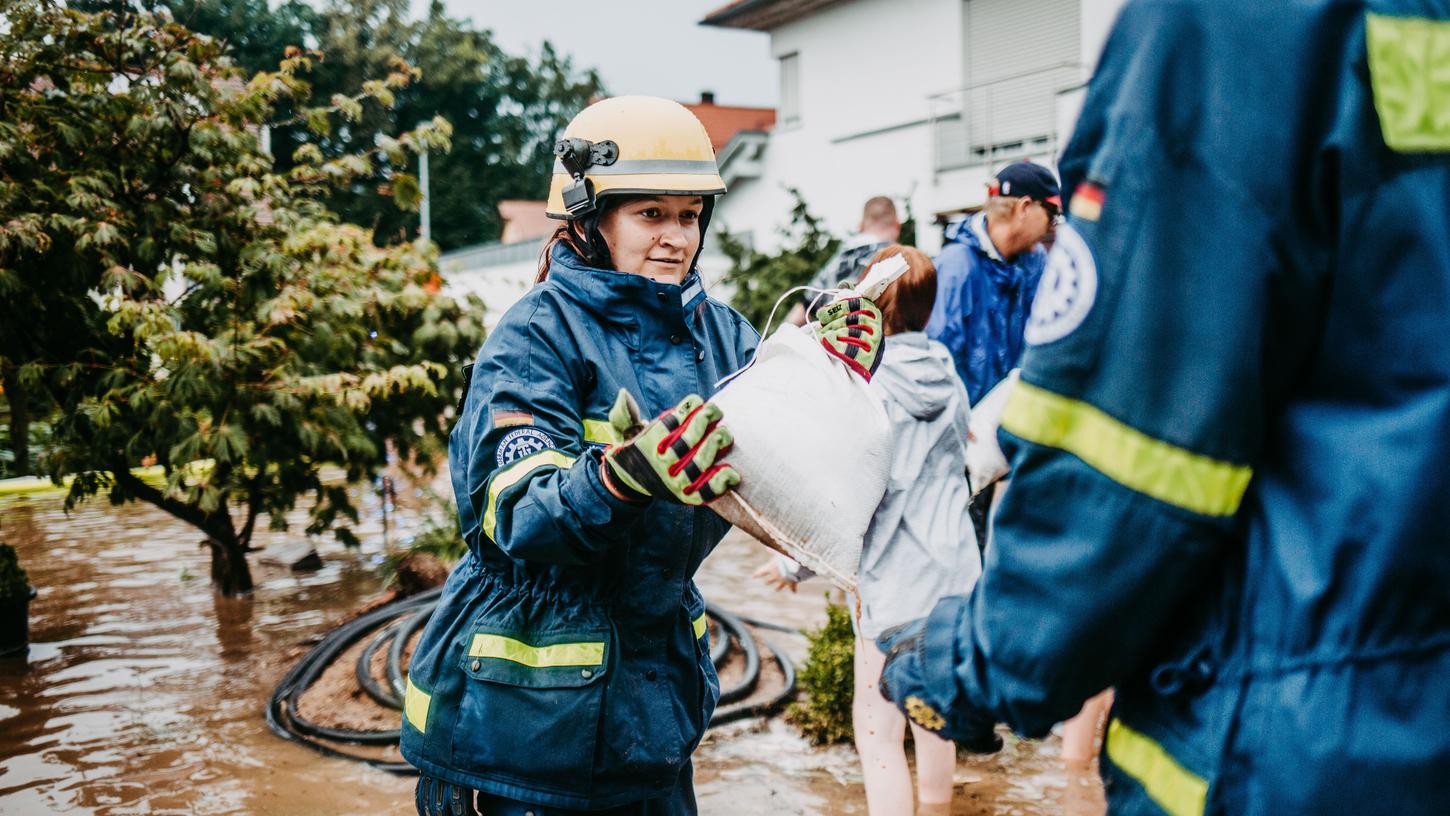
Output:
x=850 y=329
x=902 y=682
x=674 y=458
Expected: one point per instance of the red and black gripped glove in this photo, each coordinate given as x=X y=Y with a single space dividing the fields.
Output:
x=676 y=457
x=850 y=329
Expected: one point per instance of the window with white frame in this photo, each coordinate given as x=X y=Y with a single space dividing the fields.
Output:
x=1019 y=55
x=790 y=90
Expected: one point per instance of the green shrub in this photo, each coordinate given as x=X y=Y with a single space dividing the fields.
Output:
x=828 y=679
x=14 y=583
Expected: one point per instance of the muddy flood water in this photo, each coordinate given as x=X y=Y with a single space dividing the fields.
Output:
x=144 y=691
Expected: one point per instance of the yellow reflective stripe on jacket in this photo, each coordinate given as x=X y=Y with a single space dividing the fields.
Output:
x=1409 y=69
x=512 y=475
x=699 y=624
x=1177 y=790
x=415 y=706
x=600 y=431
x=588 y=653
x=1127 y=456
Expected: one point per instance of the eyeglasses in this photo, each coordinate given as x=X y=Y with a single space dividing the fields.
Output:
x=1054 y=213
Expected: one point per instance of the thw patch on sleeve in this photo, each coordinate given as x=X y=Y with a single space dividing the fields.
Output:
x=517 y=444
x=1067 y=291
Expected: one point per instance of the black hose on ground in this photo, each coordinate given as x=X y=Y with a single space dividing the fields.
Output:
x=395 y=652
x=765 y=707
x=393 y=626
x=282 y=703
x=719 y=644
x=366 y=680
x=740 y=636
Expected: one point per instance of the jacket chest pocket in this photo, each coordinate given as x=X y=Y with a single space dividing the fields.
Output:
x=531 y=706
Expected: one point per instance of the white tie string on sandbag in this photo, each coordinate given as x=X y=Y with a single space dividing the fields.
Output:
x=881 y=275
x=813 y=445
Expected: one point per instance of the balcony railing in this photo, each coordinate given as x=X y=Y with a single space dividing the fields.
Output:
x=1007 y=118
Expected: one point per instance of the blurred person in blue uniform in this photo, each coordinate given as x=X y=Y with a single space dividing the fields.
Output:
x=1232 y=426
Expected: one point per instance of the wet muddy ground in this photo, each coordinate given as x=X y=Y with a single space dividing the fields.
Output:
x=143 y=691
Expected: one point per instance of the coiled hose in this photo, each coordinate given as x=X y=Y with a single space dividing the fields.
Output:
x=391 y=627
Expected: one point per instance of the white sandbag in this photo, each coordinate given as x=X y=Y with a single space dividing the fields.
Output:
x=813 y=448
x=985 y=461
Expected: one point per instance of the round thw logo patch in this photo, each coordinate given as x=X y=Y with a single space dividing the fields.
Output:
x=1067 y=291
x=522 y=442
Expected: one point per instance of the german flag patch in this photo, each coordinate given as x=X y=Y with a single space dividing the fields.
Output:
x=1087 y=202
x=509 y=419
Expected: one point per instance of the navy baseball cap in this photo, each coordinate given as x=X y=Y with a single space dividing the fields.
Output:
x=1027 y=179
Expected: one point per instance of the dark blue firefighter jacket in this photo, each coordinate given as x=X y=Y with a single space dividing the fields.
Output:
x=1231 y=488
x=567 y=663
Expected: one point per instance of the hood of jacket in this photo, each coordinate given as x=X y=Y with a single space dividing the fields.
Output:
x=917 y=374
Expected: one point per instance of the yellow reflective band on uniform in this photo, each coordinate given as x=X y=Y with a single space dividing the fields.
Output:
x=512 y=475
x=699 y=624
x=1177 y=790
x=1409 y=69
x=600 y=431
x=1127 y=456
x=415 y=706
x=589 y=653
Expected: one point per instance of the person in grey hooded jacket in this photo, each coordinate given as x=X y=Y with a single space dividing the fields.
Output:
x=920 y=546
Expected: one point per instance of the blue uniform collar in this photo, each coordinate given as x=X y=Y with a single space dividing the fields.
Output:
x=621 y=295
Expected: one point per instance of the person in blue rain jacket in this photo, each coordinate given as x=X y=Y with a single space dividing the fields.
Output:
x=566 y=667
x=1232 y=430
x=988 y=272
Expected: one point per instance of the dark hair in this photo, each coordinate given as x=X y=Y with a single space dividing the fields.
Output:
x=906 y=304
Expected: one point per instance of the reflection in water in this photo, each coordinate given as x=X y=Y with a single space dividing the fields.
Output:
x=144 y=690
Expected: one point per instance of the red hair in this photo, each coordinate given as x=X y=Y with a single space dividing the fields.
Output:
x=906 y=304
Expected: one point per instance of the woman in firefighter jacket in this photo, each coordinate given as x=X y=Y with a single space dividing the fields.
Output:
x=567 y=665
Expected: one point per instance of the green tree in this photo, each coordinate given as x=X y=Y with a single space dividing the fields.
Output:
x=216 y=315
x=760 y=279
x=506 y=110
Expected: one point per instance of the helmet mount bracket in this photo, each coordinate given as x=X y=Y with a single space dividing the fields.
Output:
x=577 y=156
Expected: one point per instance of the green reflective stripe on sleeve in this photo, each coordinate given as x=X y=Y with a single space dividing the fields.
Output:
x=600 y=431
x=1135 y=460
x=1409 y=68
x=512 y=475
x=415 y=706
x=589 y=653
x=699 y=624
x=1177 y=790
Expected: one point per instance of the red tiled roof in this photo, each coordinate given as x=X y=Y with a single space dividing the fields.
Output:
x=724 y=121
x=524 y=220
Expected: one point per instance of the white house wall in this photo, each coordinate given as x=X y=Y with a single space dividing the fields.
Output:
x=866 y=65
x=867 y=68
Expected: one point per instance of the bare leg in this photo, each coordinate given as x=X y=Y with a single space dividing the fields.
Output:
x=936 y=764
x=880 y=731
x=1080 y=734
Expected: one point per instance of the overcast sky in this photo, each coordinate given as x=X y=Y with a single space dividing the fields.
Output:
x=639 y=47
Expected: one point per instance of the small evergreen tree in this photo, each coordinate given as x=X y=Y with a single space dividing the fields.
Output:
x=828 y=678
